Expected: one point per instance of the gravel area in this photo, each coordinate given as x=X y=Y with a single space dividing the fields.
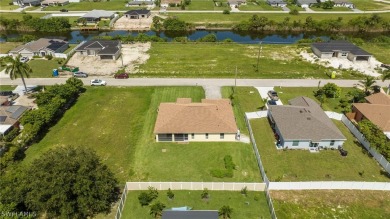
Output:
x=124 y=23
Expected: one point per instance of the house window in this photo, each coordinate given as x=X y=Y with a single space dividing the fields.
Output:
x=222 y=136
x=344 y=54
x=207 y=135
x=332 y=142
x=295 y=143
x=192 y=136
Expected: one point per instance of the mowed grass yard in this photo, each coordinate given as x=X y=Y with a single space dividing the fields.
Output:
x=369 y=5
x=331 y=204
x=43 y=68
x=257 y=207
x=88 y=6
x=380 y=51
x=118 y=124
x=327 y=165
x=218 y=60
x=207 y=5
x=7 y=46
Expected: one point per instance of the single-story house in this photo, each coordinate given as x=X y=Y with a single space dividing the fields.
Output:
x=105 y=49
x=303 y=125
x=140 y=3
x=277 y=3
x=377 y=110
x=343 y=3
x=210 y=120
x=9 y=117
x=236 y=3
x=191 y=214
x=41 y=47
x=166 y=3
x=97 y=15
x=137 y=14
x=54 y=2
x=306 y=3
x=340 y=49
x=27 y=2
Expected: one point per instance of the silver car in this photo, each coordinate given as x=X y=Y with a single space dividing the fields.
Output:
x=98 y=82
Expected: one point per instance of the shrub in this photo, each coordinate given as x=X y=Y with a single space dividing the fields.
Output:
x=11 y=135
x=229 y=162
x=144 y=199
x=205 y=194
x=49 y=57
x=244 y=191
x=170 y=194
x=226 y=11
x=153 y=193
x=294 y=12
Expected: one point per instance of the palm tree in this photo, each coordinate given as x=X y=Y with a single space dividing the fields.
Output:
x=156 y=209
x=225 y=211
x=15 y=68
x=386 y=76
x=367 y=84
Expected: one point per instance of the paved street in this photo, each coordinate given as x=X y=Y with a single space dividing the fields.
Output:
x=194 y=82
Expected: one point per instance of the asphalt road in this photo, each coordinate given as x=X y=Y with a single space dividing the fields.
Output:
x=194 y=82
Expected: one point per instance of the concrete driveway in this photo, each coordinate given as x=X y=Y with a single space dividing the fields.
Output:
x=263 y=93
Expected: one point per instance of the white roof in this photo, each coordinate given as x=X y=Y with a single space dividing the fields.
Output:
x=4 y=128
x=20 y=89
x=98 y=14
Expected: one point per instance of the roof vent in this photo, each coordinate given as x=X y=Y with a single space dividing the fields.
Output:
x=300 y=111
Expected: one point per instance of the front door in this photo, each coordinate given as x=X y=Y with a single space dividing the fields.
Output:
x=314 y=144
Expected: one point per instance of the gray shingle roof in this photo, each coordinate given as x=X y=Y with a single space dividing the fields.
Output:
x=304 y=119
x=301 y=2
x=105 y=47
x=169 y=214
x=98 y=14
x=340 y=46
x=137 y=12
x=276 y=1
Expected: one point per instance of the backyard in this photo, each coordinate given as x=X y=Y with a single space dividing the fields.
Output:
x=7 y=46
x=368 y=5
x=252 y=206
x=331 y=204
x=207 y=5
x=122 y=137
x=327 y=165
x=259 y=5
x=212 y=60
x=43 y=68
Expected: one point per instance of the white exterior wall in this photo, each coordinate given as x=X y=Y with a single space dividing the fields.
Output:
x=326 y=55
x=304 y=6
x=326 y=144
x=303 y=144
x=213 y=137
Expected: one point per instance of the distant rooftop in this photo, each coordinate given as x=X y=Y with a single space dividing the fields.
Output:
x=340 y=46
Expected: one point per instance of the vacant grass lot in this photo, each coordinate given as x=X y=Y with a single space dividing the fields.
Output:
x=331 y=204
x=369 y=5
x=7 y=87
x=330 y=10
x=118 y=124
x=206 y=5
x=257 y=207
x=244 y=99
x=327 y=165
x=4 y=5
x=259 y=5
x=380 y=51
x=19 y=16
x=88 y=6
x=43 y=68
x=212 y=60
x=7 y=46
x=330 y=104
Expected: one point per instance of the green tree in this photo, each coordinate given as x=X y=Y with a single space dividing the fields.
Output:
x=144 y=198
x=170 y=194
x=15 y=68
x=225 y=211
x=376 y=137
x=156 y=209
x=367 y=84
x=69 y=182
x=344 y=104
x=205 y=194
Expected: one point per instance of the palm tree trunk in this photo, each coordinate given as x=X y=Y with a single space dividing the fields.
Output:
x=24 y=83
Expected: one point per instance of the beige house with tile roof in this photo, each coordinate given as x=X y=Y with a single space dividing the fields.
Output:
x=210 y=120
x=41 y=47
x=304 y=125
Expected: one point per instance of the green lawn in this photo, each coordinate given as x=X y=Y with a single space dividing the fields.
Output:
x=331 y=204
x=206 y=5
x=88 y=6
x=71 y=46
x=213 y=60
x=7 y=46
x=244 y=99
x=331 y=104
x=380 y=51
x=43 y=68
x=7 y=87
x=330 y=10
x=4 y=5
x=370 y=5
x=118 y=124
x=327 y=165
x=257 y=207
x=19 y=16
x=259 y=5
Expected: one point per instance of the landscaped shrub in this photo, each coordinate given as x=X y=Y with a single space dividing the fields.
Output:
x=170 y=194
x=226 y=11
x=229 y=162
x=11 y=135
x=144 y=198
x=228 y=171
x=205 y=194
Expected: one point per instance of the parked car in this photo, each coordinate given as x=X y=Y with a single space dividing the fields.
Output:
x=98 y=82
x=24 y=59
x=273 y=95
x=64 y=10
x=80 y=74
x=122 y=76
x=385 y=66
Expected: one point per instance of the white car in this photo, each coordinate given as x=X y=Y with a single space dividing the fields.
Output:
x=24 y=59
x=98 y=82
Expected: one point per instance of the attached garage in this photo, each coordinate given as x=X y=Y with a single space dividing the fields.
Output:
x=340 y=49
x=106 y=57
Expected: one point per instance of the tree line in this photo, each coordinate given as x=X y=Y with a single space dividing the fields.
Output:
x=29 y=23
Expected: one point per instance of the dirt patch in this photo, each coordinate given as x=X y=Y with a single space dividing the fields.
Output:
x=132 y=56
x=124 y=23
x=365 y=67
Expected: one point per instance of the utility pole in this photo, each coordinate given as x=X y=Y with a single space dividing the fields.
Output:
x=258 y=56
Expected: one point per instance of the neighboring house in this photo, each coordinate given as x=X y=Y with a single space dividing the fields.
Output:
x=166 y=3
x=192 y=214
x=27 y=2
x=376 y=110
x=105 y=49
x=9 y=117
x=236 y=3
x=340 y=49
x=343 y=3
x=277 y=3
x=306 y=3
x=54 y=2
x=41 y=47
x=210 y=120
x=95 y=16
x=137 y=14
x=304 y=125
x=140 y=3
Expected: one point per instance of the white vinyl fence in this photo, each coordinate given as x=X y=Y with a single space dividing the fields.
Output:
x=215 y=186
x=325 y=185
x=378 y=157
x=121 y=203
